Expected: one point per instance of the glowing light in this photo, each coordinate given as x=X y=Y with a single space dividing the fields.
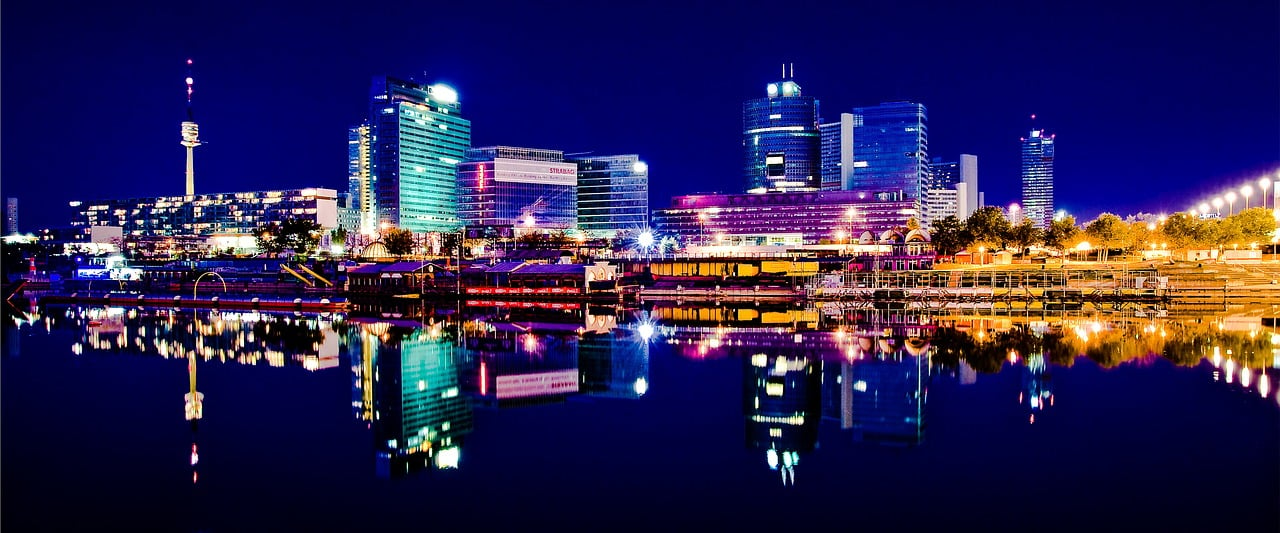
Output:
x=1230 y=369
x=444 y=94
x=771 y=456
x=646 y=239
x=640 y=167
x=190 y=81
x=1246 y=376
x=484 y=379
x=528 y=220
x=448 y=457
x=1264 y=384
x=641 y=386
x=646 y=331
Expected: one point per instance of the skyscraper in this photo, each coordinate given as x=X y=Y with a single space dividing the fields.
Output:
x=508 y=186
x=951 y=189
x=360 y=179
x=837 y=153
x=891 y=150
x=1037 y=177
x=10 y=216
x=417 y=137
x=780 y=141
x=613 y=194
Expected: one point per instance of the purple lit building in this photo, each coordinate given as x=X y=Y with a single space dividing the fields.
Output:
x=781 y=218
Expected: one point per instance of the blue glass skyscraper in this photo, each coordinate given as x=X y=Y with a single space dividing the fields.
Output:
x=780 y=140
x=1037 y=178
x=891 y=145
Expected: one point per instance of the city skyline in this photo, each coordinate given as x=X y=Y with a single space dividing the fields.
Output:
x=1097 y=80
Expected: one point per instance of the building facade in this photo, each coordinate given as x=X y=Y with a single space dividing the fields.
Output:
x=10 y=216
x=780 y=141
x=891 y=150
x=1037 y=177
x=951 y=189
x=781 y=218
x=528 y=188
x=236 y=213
x=417 y=137
x=837 y=153
x=360 y=183
x=613 y=195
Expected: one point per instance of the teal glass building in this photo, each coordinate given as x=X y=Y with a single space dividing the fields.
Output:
x=417 y=137
x=891 y=145
x=613 y=194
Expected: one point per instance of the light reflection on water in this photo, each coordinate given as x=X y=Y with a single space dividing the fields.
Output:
x=418 y=381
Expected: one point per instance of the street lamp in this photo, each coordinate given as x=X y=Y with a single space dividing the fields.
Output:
x=1231 y=202
x=1204 y=208
x=1217 y=205
x=1013 y=212
x=1264 y=184
x=1246 y=192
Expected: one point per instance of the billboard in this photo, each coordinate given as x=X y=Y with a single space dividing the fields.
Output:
x=537 y=384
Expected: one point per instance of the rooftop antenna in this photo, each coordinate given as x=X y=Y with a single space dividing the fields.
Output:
x=793 y=71
x=784 y=71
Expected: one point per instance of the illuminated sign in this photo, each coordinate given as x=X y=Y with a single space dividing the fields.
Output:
x=539 y=384
x=538 y=172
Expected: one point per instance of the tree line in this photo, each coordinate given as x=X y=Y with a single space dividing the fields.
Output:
x=988 y=228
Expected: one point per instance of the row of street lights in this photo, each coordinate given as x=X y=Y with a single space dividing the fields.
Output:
x=1230 y=197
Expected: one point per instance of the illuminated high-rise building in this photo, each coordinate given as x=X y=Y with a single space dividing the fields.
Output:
x=837 y=153
x=531 y=188
x=780 y=140
x=951 y=189
x=891 y=145
x=360 y=179
x=10 y=216
x=417 y=137
x=1037 y=177
x=613 y=194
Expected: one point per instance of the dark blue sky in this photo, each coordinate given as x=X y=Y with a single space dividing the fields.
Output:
x=1155 y=105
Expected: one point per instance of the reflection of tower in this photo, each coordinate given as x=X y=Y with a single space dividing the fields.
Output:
x=837 y=392
x=1037 y=390
x=888 y=399
x=420 y=412
x=782 y=398
x=190 y=136
x=194 y=401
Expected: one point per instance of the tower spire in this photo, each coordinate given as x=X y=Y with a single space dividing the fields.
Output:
x=190 y=135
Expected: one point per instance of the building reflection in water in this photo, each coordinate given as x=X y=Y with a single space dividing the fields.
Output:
x=420 y=415
x=783 y=397
x=416 y=380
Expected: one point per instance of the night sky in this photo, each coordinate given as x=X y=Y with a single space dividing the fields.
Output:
x=1155 y=105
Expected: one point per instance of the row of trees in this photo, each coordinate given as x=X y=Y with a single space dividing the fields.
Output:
x=988 y=228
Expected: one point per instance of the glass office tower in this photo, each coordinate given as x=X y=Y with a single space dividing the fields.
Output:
x=780 y=140
x=417 y=138
x=891 y=145
x=613 y=194
x=360 y=179
x=1037 y=178
x=837 y=153
x=529 y=188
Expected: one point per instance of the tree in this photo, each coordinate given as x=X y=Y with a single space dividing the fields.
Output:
x=398 y=241
x=1184 y=231
x=950 y=235
x=1061 y=232
x=300 y=235
x=1109 y=231
x=338 y=235
x=913 y=224
x=530 y=239
x=1256 y=225
x=560 y=238
x=268 y=239
x=988 y=227
x=1024 y=235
